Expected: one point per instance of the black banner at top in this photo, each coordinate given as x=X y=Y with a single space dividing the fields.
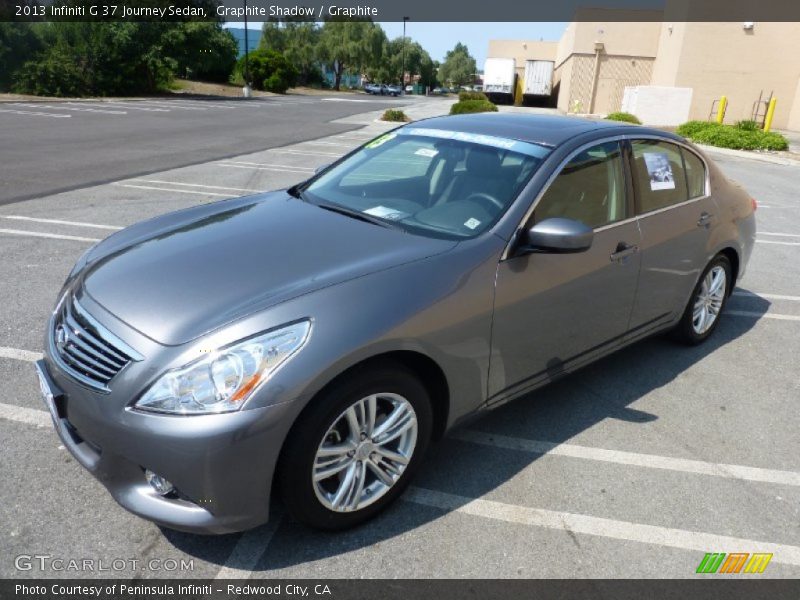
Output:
x=394 y=10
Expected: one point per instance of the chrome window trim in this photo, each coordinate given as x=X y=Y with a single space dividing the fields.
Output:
x=601 y=140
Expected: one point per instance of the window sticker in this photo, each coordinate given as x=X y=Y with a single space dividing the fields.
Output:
x=427 y=152
x=659 y=170
x=472 y=223
x=381 y=140
x=385 y=212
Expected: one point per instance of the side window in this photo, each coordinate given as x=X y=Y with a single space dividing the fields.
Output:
x=658 y=174
x=589 y=189
x=695 y=173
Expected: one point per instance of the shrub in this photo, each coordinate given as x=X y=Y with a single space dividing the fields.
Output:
x=471 y=96
x=394 y=115
x=624 y=117
x=735 y=137
x=269 y=71
x=747 y=125
x=472 y=106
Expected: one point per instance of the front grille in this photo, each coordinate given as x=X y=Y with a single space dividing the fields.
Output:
x=87 y=350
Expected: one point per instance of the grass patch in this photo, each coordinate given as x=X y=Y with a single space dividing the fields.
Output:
x=624 y=117
x=745 y=135
x=395 y=115
x=472 y=106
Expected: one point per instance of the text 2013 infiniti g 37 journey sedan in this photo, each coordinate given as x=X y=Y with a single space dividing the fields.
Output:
x=314 y=340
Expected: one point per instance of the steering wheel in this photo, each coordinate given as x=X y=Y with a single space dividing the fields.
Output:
x=487 y=198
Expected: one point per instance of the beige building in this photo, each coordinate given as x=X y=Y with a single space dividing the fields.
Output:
x=603 y=52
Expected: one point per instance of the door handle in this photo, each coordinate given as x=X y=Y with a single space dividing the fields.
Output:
x=623 y=251
x=704 y=220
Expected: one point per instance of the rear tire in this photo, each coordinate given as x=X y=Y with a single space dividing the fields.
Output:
x=708 y=300
x=355 y=449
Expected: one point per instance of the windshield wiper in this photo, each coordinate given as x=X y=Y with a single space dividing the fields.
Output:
x=349 y=212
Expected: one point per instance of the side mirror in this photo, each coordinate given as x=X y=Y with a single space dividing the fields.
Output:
x=321 y=168
x=557 y=235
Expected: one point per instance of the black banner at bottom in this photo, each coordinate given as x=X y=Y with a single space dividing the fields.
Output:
x=398 y=589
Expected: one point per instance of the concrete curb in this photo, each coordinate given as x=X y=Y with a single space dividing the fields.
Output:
x=751 y=155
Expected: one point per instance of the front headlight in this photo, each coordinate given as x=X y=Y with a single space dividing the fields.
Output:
x=222 y=381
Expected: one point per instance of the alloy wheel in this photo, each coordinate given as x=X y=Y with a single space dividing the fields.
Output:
x=709 y=300
x=364 y=452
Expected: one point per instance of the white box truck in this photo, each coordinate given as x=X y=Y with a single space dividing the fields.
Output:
x=498 y=79
x=538 y=77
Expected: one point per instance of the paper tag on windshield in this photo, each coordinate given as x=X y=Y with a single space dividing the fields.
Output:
x=427 y=152
x=385 y=212
x=472 y=223
x=381 y=140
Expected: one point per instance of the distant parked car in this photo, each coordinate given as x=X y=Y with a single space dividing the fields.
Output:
x=477 y=88
x=393 y=90
x=439 y=90
x=372 y=88
x=409 y=89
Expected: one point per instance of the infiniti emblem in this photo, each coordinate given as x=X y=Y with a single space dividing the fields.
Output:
x=61 y=338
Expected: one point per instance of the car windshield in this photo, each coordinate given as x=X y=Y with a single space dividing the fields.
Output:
x=428 y=181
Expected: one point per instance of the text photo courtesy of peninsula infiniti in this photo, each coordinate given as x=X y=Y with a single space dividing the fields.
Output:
x=313 y=341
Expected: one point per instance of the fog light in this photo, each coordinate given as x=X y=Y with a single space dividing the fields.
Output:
x=160 y=485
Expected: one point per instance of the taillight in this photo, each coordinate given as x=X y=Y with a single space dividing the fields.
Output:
x=754 y=203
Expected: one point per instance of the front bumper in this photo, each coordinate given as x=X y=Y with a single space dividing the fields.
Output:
x=222 y=465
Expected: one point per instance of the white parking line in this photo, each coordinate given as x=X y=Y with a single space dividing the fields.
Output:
x=17 y=354
x=266 y=167
x=650 y=461
x=32 y=113
x=758 y=315
x=28 y=416
x=248 y=550
x=126 y=105
x=171 y=105
x=599 y=526
x=58 y=222
x=54 y=236
x=767 y=296
x=212 y=187
x=149 y=187
x=778 y=243
x=779 y=234
x=72 y=108
x=304 y=153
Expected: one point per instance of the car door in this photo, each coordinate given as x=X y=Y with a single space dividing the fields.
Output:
x=675 y=215
x=554 y=312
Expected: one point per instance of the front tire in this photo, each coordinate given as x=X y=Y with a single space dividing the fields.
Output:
x=355 y=449
x=708 y=299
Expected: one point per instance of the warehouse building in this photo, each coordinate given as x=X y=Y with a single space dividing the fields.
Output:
x=674 y=70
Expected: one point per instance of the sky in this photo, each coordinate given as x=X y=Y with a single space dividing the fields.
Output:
x=438 y=38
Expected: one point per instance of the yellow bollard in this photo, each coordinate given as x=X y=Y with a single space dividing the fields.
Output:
x=723 y=103
x=770 y=114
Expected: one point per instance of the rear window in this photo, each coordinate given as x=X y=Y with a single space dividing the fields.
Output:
x=695 y=173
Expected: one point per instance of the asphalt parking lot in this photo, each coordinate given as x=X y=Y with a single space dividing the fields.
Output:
x=635 y=467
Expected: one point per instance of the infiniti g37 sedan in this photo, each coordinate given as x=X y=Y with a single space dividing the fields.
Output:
x=313 y=341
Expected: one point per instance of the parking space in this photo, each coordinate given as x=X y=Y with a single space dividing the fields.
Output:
x=634 y=467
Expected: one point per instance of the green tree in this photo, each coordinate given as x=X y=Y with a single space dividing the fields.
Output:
x=202 y=50
x=270 y=71
x=459 y=66
x=18 y=43
x=350 y=45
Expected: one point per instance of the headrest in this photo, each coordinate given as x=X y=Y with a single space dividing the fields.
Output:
x=483 y=162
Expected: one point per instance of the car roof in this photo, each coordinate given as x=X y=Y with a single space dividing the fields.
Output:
x=548 y=130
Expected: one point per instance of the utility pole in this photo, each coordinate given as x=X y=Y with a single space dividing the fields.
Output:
x=246 y=89
x=403 y=73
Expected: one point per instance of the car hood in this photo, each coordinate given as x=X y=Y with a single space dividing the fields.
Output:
x=182 y=275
